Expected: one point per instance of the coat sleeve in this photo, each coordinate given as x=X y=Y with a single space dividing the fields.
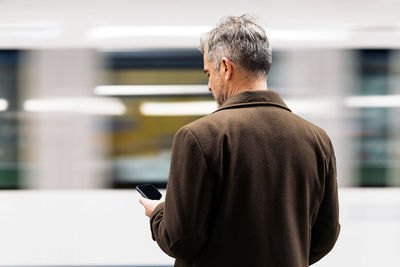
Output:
x=326 y=227
x=180 y=224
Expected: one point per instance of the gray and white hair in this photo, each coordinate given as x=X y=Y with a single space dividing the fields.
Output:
x=240 y=40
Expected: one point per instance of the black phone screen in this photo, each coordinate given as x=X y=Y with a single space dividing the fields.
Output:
x=149 y=191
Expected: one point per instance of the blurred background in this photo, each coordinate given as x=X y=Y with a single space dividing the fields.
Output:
x=92 y=92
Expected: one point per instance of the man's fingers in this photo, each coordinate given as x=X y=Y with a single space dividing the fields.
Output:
x=142 y=201
x=149 y=205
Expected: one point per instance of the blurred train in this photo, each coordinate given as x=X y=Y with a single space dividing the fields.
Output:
x=91 y=106
x=352 y=93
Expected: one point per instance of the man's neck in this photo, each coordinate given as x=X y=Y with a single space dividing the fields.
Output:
x=260 y=84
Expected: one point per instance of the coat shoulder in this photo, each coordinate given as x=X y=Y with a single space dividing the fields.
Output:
x=209 y=124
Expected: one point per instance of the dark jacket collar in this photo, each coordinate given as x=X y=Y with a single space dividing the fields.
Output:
x=254 y=97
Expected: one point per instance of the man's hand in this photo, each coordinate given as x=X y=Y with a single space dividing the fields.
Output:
x=149 y=205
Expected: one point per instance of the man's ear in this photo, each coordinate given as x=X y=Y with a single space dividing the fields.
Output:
x=226 y=68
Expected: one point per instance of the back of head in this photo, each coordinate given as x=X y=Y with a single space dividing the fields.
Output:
x=240 y=40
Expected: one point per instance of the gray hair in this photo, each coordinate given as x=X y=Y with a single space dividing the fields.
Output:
x=240 y=40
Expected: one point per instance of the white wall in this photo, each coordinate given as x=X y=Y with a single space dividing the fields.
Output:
x=108 y=227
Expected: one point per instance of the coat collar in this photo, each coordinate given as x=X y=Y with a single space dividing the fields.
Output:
x=252 y=98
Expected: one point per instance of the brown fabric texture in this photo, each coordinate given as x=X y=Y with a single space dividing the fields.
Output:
x=251 y=184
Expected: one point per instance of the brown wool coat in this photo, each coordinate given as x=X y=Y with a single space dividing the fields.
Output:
x=251 y=184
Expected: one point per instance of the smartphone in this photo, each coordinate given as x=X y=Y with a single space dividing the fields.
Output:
x=149 y=191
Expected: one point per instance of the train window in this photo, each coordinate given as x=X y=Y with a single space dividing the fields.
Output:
x=142 y=140
x=374 y=74
x=10 y=168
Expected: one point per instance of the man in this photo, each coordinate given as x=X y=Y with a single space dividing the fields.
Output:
x=251 y=184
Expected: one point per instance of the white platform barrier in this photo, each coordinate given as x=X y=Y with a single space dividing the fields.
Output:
x=108 y=227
